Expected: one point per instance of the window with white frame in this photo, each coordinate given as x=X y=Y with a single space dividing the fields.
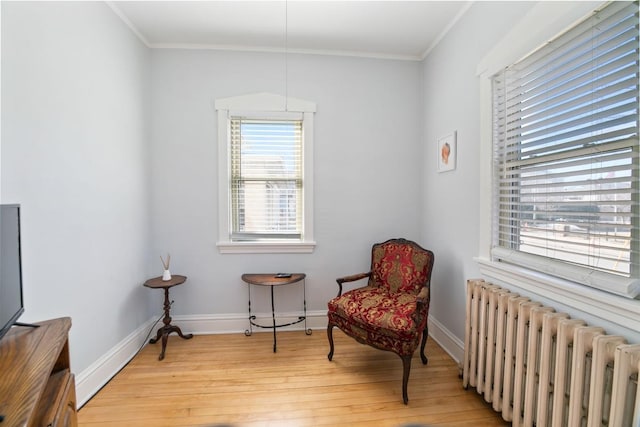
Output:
x=266 y=193
x=566 y=175
x=266 y=178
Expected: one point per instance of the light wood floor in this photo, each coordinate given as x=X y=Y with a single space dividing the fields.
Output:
x=234 y=380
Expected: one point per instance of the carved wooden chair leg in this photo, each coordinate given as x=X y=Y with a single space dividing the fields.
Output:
x=406 y=368
x=330 y=336
x=425 y=335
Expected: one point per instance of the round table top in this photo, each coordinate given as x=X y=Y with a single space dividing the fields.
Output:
x=157 y=282
x=270 y=279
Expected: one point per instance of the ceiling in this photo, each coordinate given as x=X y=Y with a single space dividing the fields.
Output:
x=383 y=29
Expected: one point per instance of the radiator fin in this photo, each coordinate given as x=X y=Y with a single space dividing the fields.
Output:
x=538 y=367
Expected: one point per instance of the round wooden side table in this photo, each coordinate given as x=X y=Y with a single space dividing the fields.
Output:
x=164 y=331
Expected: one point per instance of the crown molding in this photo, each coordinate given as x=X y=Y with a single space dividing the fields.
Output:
x=128 y=23
x=446 y=30
x=270 y=49
x=267 y=49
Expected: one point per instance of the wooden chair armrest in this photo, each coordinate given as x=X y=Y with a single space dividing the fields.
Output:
x=422 y=302
x=351 y=278
x=423 y=296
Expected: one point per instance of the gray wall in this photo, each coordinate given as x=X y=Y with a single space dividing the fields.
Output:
x=451 y=200
x=366 y=169
x=110 y=147
x=111 y=150
x=74 y=155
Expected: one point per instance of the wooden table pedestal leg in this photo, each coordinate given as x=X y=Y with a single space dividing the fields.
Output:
x=168 y=328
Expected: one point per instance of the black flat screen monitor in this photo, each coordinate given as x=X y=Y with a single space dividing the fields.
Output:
x=11 y=301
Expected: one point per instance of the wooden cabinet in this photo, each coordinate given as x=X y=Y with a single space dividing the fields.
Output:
x=37 y=387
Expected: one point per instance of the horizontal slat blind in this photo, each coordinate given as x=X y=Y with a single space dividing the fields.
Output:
x=566 y=150
x=266 y=179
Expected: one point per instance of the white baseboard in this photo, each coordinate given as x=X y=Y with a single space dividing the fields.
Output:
x=239 y=323
x=92 y=379
x=449 y=342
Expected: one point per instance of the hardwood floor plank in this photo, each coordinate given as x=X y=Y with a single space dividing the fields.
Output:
x=234 y=380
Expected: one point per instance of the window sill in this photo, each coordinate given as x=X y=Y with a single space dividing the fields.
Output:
x=266 y=247
x=612 y=308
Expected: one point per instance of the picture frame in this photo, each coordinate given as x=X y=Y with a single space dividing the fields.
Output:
x=447 y=152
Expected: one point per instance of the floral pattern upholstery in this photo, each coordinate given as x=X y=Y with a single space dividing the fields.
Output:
x=385 y=314
x=399 y=267
x=385 y=320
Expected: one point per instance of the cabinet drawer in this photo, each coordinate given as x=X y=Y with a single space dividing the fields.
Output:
x=57 y=406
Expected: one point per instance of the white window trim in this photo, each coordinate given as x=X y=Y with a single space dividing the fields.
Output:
x=523 y=38
x=264 y=105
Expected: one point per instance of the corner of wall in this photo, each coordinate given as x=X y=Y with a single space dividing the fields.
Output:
x=446 y=339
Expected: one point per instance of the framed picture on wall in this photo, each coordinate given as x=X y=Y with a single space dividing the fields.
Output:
x=447 y=152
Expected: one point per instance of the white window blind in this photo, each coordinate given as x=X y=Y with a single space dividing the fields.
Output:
x=566 y=154
x=266 y=179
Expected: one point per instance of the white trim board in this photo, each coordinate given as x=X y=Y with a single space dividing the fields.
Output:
x=100 y=372
x=451 y=344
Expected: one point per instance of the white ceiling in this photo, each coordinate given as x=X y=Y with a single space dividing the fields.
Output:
x=385 y=29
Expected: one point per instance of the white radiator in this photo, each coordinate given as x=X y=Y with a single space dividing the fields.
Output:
x=539 y=367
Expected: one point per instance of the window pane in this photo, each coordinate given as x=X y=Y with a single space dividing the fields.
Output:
x=266 y=180
x=566 y=150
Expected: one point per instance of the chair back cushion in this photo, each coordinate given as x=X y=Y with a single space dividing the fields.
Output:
x=400 y=265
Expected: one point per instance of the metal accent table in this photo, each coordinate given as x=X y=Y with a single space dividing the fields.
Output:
x=164 y=331
x=272 y=281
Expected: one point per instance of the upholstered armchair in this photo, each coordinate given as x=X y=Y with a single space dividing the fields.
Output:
x=391 y=312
